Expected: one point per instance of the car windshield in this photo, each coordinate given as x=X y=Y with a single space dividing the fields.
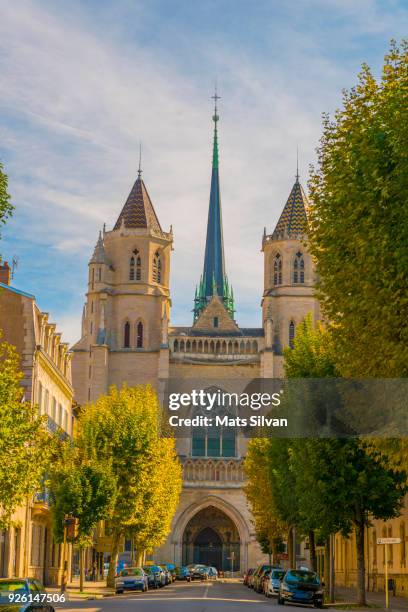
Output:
x=132 y=571
x=277 y=574
x=8 y=587
x=302 y=576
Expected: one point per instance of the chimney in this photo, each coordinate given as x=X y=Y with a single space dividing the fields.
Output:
x=5 y=273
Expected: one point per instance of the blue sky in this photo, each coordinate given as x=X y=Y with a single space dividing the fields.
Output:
x=83 y=82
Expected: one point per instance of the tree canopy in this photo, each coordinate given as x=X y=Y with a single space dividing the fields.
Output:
x=123 y=431
x=25 y=445
x=359 y=222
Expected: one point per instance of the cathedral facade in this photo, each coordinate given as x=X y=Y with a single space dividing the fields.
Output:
x=127 y=337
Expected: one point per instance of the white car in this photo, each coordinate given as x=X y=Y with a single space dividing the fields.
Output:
x=273 y=583
x=131 y=579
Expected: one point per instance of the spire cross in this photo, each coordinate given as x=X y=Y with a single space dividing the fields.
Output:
x=215 y=97
x=139 y=172
x=297 y=163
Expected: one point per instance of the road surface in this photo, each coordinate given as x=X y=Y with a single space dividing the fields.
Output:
x=183 y=597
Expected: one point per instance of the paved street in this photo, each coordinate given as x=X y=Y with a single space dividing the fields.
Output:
x=181 y=597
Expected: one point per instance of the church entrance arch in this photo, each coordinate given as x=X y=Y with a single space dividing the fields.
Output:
x=212 y=538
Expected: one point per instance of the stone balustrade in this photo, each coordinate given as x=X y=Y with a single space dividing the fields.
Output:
x=217 y=470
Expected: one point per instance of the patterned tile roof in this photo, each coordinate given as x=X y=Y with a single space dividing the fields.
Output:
x=293 y=220
x=138 y=210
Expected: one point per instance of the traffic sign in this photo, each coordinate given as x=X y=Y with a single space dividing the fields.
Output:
x=388 y=540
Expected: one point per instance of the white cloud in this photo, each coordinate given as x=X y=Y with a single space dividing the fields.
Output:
x=78 y=102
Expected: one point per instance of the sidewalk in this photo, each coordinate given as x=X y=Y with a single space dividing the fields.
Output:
x=92 y=590
x=376 y=599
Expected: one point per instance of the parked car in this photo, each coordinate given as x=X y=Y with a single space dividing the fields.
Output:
x=212 y=573
x=247 y=575
x=153 y=577
x=131 y=579
x=199 y=572
x=263 y=581
x=183 y=573
x=159 y=573
x=301 y=586
x=273 y=582
x=256 y=581
x=21 y=594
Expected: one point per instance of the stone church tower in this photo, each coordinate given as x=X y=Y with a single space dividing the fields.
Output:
x=127 y=337
x=127 y=309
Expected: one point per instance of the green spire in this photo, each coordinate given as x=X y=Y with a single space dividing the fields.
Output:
x=215 y=144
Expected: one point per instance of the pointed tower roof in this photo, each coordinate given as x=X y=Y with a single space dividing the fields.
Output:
x=293 y=220
x=138 y=210
x=99 y=254
x=214 y=279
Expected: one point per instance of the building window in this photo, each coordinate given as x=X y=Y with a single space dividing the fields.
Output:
x=277 y=269
x=47 y=402
x=157 y=268
x=139 y=335
x=99 y=274
x=299 y=269
x=291 y=334
x=215 y=321
x=216 y=442
x=126 y=335
x=40 y=397
x=132 y=268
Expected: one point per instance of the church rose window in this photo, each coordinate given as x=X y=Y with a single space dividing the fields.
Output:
x=299 y=269
x=277 y=270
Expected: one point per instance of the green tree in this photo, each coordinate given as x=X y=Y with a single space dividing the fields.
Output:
x=338 y=485
x=123 y=430
x=25 y=445
x=359 y=222
x=6 y=208
x=83 y=488
x=268 y=526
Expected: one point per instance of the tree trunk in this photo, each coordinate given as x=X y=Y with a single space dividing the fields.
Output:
x=81 y=569
x=290 y=548
x=361 y=593
x=139 y=557
x=332 y=572
x=110 y=581
x=312 y=550
x=327 y=568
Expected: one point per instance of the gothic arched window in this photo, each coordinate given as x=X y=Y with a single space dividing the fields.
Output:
x=157 y=268
x=138 y=268
x=139 y=335
x=135 y=267
x=277 y=269
x=132 y=268
x=126 y=335
x=291 y=334
x=299 y=268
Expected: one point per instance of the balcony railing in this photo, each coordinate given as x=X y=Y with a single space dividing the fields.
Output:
x=197 y=470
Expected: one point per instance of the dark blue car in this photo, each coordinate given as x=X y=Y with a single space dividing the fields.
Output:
x=301 y=586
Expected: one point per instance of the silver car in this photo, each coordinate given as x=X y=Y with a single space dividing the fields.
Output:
x=131 y=579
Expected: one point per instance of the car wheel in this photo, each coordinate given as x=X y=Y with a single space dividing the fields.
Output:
x=318 y=604
x=281 y=601
x=119 y=592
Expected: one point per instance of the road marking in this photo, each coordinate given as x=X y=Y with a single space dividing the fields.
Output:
x=230 y=599
x=206 y=591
